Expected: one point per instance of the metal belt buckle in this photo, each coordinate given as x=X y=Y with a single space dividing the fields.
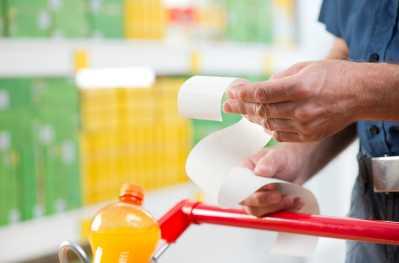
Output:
x=385 y=172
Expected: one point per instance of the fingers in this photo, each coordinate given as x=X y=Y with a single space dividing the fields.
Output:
x=250 y=163
x=287 y=203
x=264 y=197
x=272 y=91
x=240 y=107
x=284 y=110
x=270 y=164
x=273 y=117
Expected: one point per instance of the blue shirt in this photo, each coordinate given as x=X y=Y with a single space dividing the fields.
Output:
x=370 y=29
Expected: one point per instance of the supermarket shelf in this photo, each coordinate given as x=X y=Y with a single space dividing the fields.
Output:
x=54 y=57
x=28 y=240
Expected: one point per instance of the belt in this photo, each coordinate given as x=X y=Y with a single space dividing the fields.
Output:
x=382 y=172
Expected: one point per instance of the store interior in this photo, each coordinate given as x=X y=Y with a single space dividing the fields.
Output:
x=88 y=102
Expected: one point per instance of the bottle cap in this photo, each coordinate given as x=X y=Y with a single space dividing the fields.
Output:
x=131 y=193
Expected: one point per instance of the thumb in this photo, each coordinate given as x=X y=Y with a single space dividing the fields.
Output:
x=291 y=70
x=269 y=164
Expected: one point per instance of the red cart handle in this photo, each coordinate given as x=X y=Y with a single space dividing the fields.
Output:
x=187 y=212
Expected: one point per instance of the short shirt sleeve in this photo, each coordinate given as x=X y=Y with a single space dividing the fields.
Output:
x=329 y=16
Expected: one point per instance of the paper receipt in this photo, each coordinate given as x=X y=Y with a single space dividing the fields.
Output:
x=214 y=163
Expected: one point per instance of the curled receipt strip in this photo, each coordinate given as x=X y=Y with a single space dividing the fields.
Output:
x=214 y=163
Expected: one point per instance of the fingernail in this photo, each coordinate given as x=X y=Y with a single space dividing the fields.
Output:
x=227 y=106
x=271 y=187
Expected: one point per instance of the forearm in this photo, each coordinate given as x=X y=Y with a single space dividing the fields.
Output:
x=326 y=150
x=378 y=91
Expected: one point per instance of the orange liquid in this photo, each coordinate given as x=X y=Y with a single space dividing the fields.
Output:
x=123 y=235
x=136 y=248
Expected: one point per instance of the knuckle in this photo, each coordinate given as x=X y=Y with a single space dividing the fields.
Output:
x=260 y=93
x=259 y=109
x=306 y=137
x=271 y=109
x=278 y=137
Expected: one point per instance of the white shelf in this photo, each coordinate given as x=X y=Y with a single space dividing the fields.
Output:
x=54 y=57
x=35 y=238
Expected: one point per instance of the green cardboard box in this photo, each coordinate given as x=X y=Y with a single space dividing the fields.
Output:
x=15 y=94
x=42 y=118
x=28 y=18
x=11 y=194
x=265 y=21
x=58 y=159
x=17 y=136
x=2 y=18
x=106 y=18
x=55 y=94
x=41 y=94
x=70 y=18
x=255 y=28
x=70 y=163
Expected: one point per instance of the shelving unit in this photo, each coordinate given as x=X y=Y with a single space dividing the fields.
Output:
x=56 y=57
x=23 y=241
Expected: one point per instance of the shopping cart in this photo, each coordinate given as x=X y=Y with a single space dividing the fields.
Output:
x=177 y=220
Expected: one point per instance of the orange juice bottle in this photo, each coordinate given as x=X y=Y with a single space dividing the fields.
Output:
x=124 y=232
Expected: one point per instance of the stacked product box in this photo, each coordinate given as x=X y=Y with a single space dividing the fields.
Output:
x=132 y=135
x=56 y=130
x=16 y=159
x=105 y=18
x=171 y=135
x=28 y=18
x=17 y=144
x=44 y=18
x=2 y=18
x=70 y=18
x=39 y=147
x=99 y=117
x=256 y=27
x=144 y=19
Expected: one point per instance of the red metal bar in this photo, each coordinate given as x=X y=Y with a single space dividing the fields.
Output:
x=176 y=221
x=382 y=232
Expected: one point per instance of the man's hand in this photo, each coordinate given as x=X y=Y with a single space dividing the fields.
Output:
x=286 y=162
x=308 y=102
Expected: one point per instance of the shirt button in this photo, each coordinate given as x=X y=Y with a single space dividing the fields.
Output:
x=374 y=57
x=374 y=130
x=394 y=130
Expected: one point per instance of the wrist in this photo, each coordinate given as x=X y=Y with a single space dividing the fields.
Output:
x=359 y=88
x=301 y=156
x=376 y=88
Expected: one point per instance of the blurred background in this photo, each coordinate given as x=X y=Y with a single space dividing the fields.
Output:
x=74 y=125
